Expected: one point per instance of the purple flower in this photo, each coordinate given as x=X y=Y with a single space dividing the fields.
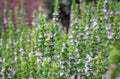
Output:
x=50 y=35
x=71 y=57
x=81 y=33
x=86 y=67
x=86 y=27
x=98 y=38
x=111 y=12
x=3 y=69
x=9 y=75
x=76 y=50
x=11 y=70
x=104 y=10
x=79 y=76
x=49 y=59
x=109 y=27
x=73 y=76
x=94 y=24
x=71 y=15
x=5 y=21
x=110 y=35
x=56 y=13
x=118 y=77
x=62 y=66
x=69 y=63
x=2 y=59
x=38 y=54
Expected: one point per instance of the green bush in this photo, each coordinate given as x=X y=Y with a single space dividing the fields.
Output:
x=91 y=49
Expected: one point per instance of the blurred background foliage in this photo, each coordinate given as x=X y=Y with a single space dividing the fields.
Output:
x=64 y=5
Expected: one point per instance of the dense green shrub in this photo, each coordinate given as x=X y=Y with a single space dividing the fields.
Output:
x=91 y=49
